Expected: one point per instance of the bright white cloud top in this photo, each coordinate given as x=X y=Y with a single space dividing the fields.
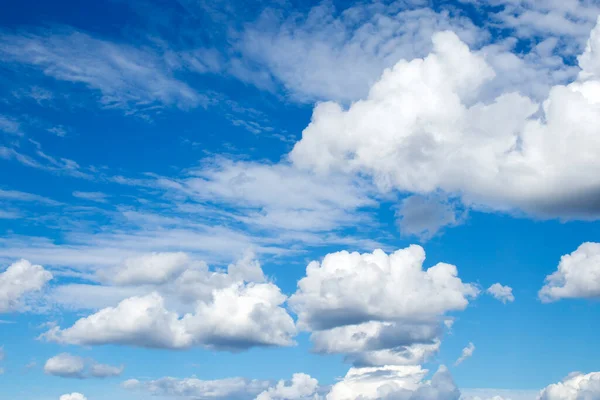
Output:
x=422 y=129
x=153 y=152
x=578 y=275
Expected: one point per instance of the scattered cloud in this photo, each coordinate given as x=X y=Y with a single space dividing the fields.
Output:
x=66 y=365
x=501 y=293
x=92 y=196
x=467 y=352
x=18 y=281
x=133 y=79
x=73 y=396
x=576 y=276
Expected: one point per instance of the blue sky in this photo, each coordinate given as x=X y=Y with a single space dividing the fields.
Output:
x=299 y=200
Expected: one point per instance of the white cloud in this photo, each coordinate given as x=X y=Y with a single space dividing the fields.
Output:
x=18 y=281
x=65 y=365
x=394 y=383
x=92 y=196
x=234 y=317
x=378 y=309
x=351 y=288
x=154 y=268
x=133 y=79
x=466 y=353
x=301 y=387
x=501 y=293
x=577 y=276
x=73 y=396
x=10 y=125
x=225 y=389
x=105 y=370
x=69 y=366
x=511 y=153
x=278 y=196
x=331 y=54
x=576 y=386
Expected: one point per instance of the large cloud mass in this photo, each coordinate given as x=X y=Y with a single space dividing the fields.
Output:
x=421 y=129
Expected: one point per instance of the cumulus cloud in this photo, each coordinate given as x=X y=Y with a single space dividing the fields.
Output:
x=69 y=366
x=301 y=387
x=376 y=308
x=395 y=383
x=501 y=293
x=73 y=396
x=466 y=353
x=17 y=281
x=421 y=129
x=225 y=389
x=577 y=276
x=231 y=310
x=576 y=386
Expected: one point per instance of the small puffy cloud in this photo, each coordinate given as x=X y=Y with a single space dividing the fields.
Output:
x=395 y=383
x=219 y=389
x=18 y=280
x=72 y=396
x=301 y=387
x=577 y=276
x=501 y=293
x=576 y=386
x=466 y=353
x=68 y=366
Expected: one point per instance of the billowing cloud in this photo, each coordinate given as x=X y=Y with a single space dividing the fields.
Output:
x=69 y=366
x=18 y=280
x=501 y=293
x=577 y=276
x=395 y=383
x=576 y=386
x=301 y=387
x=233 y=310
x=378 y=309
x=422 y=130
x=352 y=288
x=466 y=353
